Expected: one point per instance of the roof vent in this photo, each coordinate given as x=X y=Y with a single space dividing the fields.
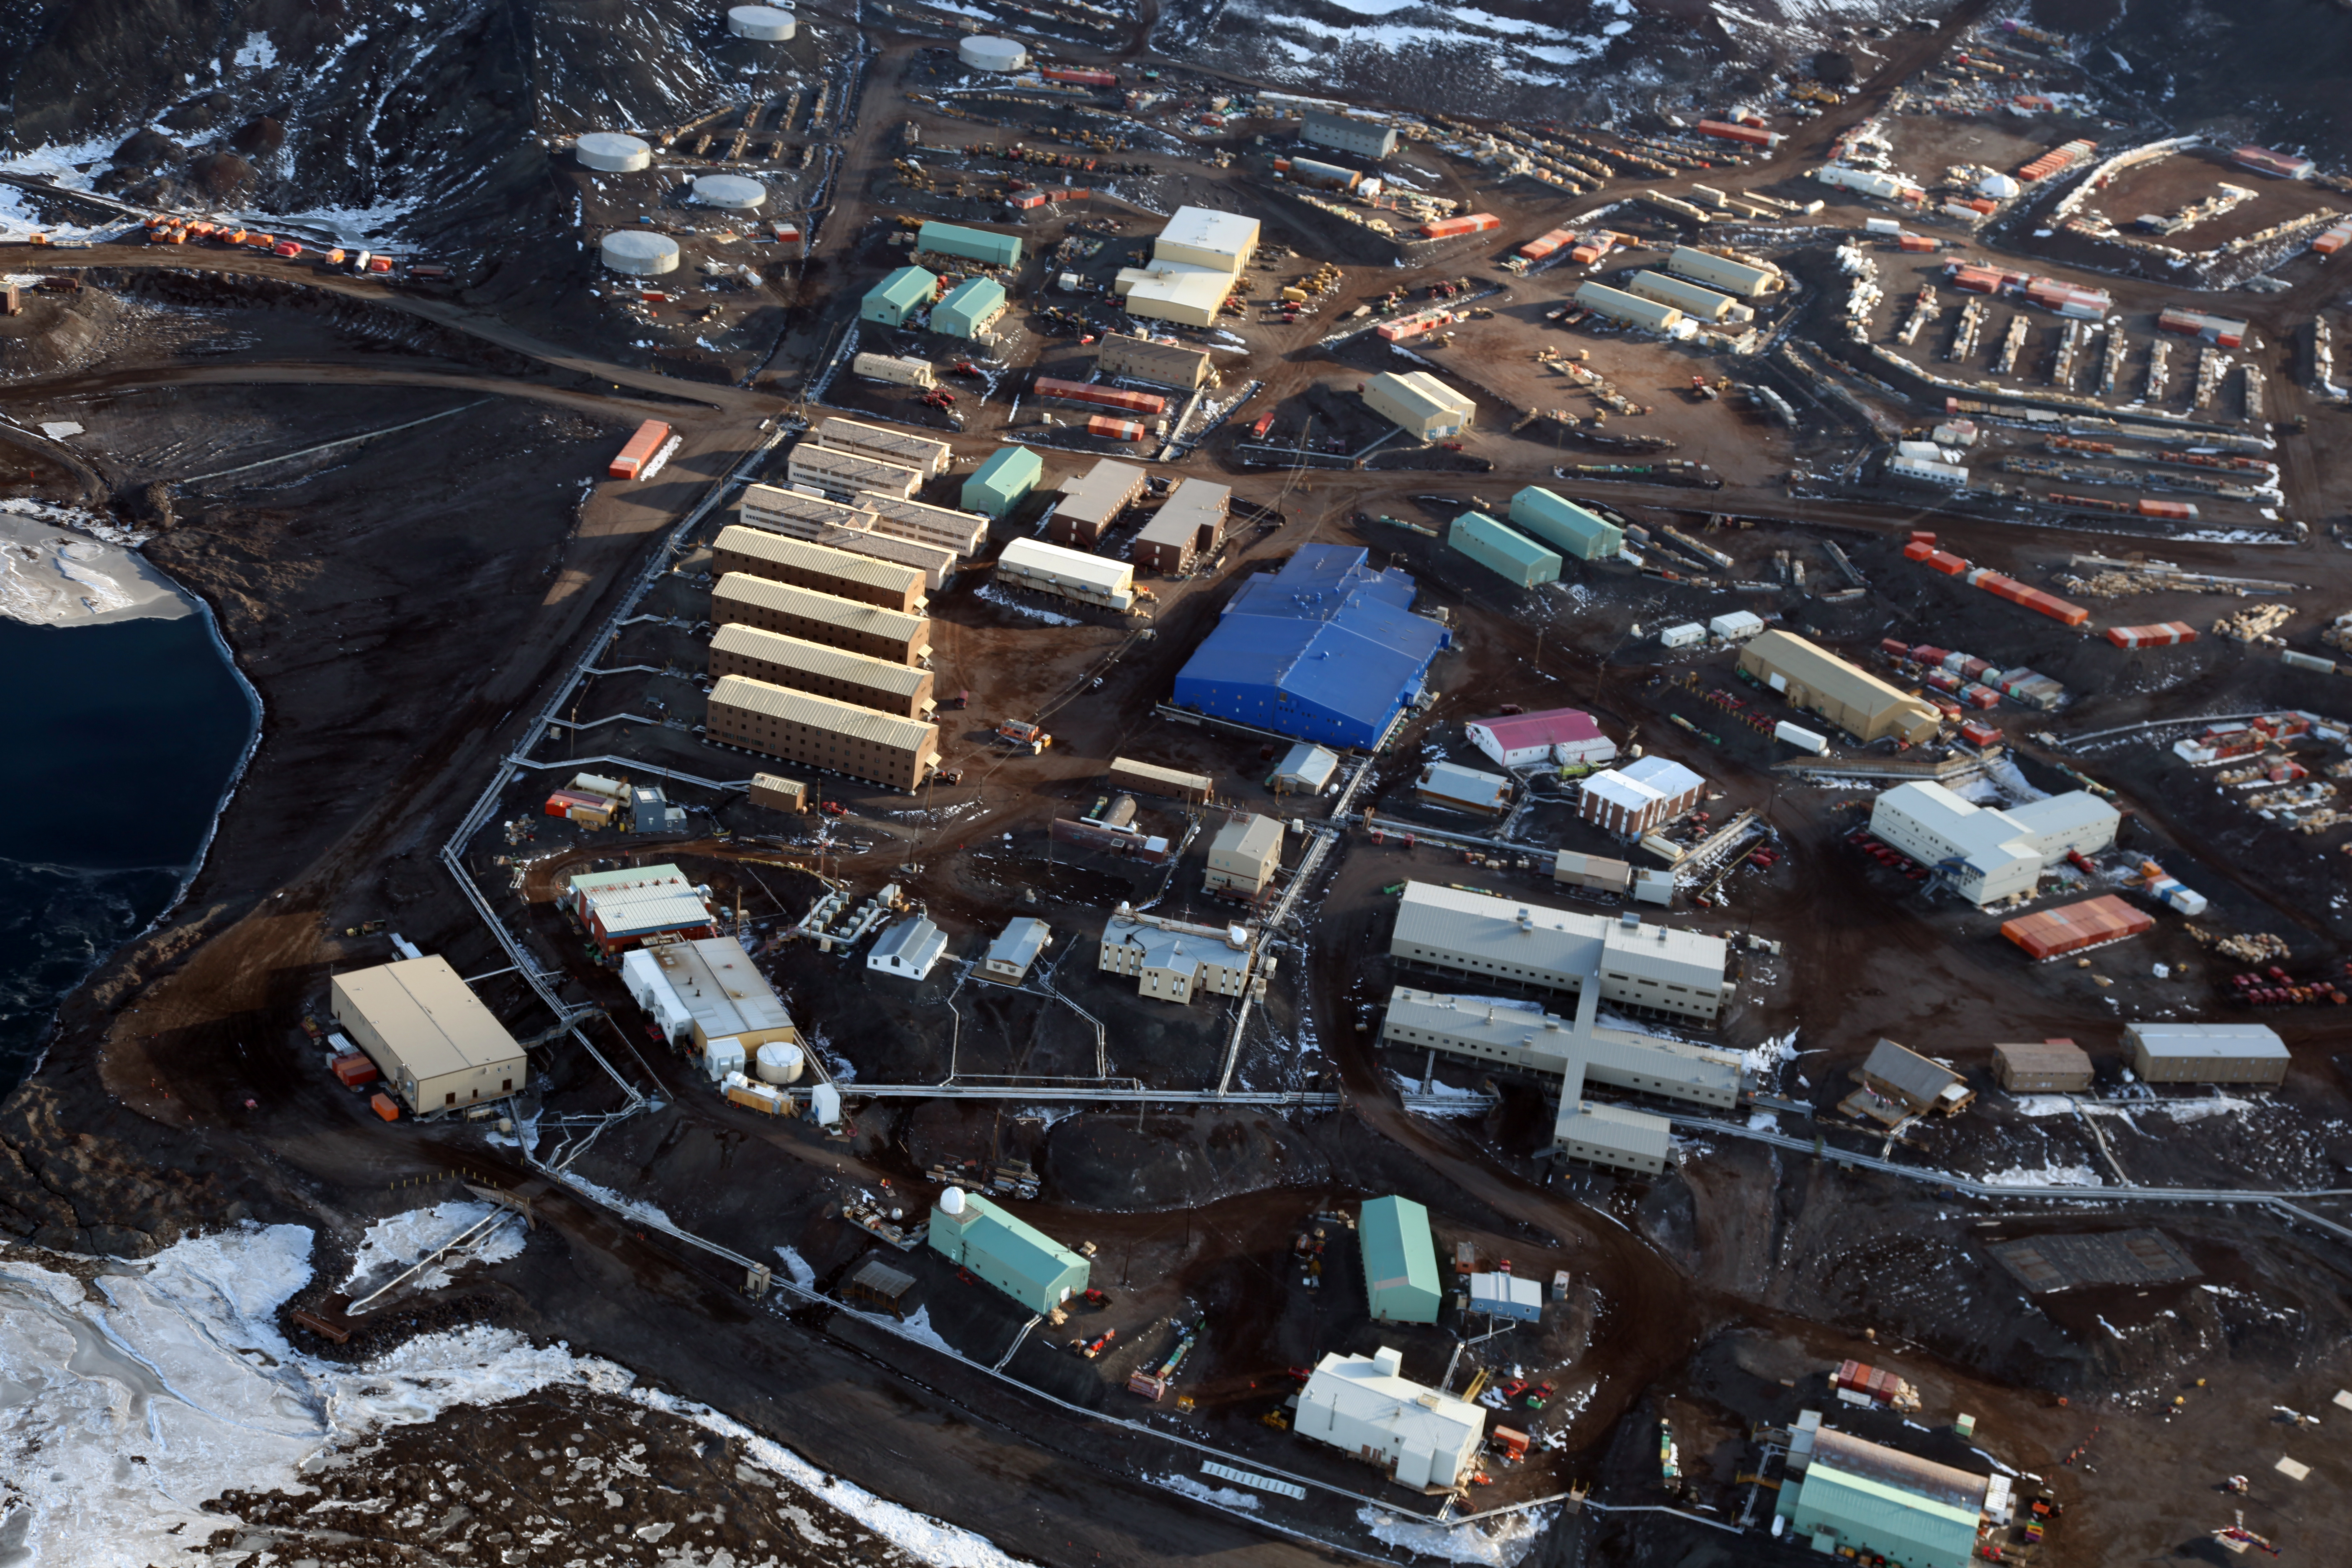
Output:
x=1630 y=920
x=1527 y=920
x=1389 y=1362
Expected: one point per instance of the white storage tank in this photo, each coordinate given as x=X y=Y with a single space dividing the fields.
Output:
x=633 y=250
x=780 y=1062
x=824 y=1105
x=732 y=192
x=611 y=151
x=721 y=1057
x=989 y=54
x=764 y=23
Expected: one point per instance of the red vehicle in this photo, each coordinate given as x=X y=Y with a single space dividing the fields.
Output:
x=1513 y=1389
x=965 y=367
x=286 y=247
x=833 y=809
x=1264 y=423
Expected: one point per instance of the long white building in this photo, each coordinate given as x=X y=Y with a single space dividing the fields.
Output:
x=1632 y=964
x=1365 y=1404
x=1988 y=854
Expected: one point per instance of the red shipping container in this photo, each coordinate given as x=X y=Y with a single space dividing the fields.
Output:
x=1752 y=136
x=354 y=1070
x=1923 y=536
x=384 y=1107
x=2178 y=511
x=632 y=458
x=1107 y=396
x=1919 y=242
x=1469 y=222
x=1928 y=653
x=2049 y=933
x=1944 y=680
x=1977 y=732
x=1980 y=696
x=1029 y=199
x=1936 y=560
x=1944 y=705
x=1112 y=429
x=563 y=802
x=1083 y=78
x=1894 y=647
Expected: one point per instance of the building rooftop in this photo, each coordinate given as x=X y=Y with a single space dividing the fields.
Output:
x=1210 y=229
x=783 y=599
x=1012 y=1241
x=635 y=900
x=1644 y=781
x=1552 y=727
x=2208 y=1040
x=1254 y=840
x=1097 y=572
x=1558 y=941
x=1020 y=941
x=1824 y=672
x=807 y=555
x=1097 y=494
x=913 y=943
x=1422 y=394
x=1913 y=1075
x=430 y=1017
x=792 y=707
x=719 y=986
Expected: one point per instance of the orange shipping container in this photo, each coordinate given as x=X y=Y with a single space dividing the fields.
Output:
x=1111 y=429
x=1108 y=396
x=384 y=1107
x=1468 y=223
x=2049 y=933
x=632 y=458
x=2178 y=511
x=354 y=1070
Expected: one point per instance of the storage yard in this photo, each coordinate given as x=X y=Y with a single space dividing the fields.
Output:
x=1362 y=866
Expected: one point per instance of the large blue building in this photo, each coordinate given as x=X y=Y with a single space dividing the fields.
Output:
x=1326 y=650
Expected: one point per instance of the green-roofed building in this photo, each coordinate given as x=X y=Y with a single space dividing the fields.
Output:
x=996 y=486
x=969 y=308
x=1565 y=526
x=973 y=244
x=1011 y=1254
x=897 y=297
x=1401 y=1278
x=1511 y=556
x=1867 y=1498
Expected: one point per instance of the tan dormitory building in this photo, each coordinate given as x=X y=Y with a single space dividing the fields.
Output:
x=840 y=473
x=900 y=689
x=1244 y=856
x=826 y=618
x=1818 y=681
x=925 y=456
x=1091 y=502
x=805 y=563
x=1148 y=359
x=819 y=733
x=1190 y=524
x=944 y=526
x=799 y=515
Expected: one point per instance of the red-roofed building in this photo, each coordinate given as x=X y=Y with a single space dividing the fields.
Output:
x=1554 y=735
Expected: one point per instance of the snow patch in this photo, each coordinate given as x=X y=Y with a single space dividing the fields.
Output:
x=1504 y=1545
x=392 y=1245
x=1220 y=1496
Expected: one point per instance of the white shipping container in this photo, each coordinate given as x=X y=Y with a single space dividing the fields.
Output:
x=1882 y=226
x=898 y=372
x=1803 y=738
x=1737 y=626
x=1683 y=636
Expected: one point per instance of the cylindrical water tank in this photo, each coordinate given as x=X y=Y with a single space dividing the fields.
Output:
x=610 y=149
x=635 y=251
x=780 y=1062
x=987 y=54
x=764 y=23
x=732 y=192
x=825 y=1104
x=951 y=1201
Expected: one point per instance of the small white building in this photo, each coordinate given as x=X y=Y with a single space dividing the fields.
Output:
x=908 y=949
x=1989 y=855
x=1364 y=1404
x=1635 y=798
x=1016 y=947
x=1737 y=626
x=1553 y=735
x=1457 y=789
x=1689 y=634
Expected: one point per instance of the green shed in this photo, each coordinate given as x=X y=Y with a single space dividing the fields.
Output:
x=1511 y=556
x=897 y=297
x=975 y=244
x=969 y=308
x=1566 y=526
x=1400 y=1279
x=1011 y=1254
x=996 y=486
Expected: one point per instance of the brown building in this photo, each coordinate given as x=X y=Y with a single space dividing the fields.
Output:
x=805 y=563
x=805 y=665
x=777 y=793
x=921 y=453
x=1090 y=504
x=2042 y=1067
x=818 y=732
x=1188 y=525
x=796 y=512
x=936 y=564
x=1148 y=359
x=826 y=618
x=944 y=526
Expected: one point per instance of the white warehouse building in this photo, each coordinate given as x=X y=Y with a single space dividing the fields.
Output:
x=1363 y=1404
x=1632 y=964
x=1988 y=854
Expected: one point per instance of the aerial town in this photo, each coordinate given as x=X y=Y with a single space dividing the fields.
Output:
x=1015 y=797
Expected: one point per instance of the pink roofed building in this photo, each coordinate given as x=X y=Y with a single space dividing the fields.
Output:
x=1554 y=735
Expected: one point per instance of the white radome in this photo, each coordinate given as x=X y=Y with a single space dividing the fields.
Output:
x=1998 y=186
x=612 y=152
x=633 y=250
x=765 y=24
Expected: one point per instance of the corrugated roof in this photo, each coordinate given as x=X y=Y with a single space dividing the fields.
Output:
x=1552 y=727
x=718 y=982
x=428 y=1014
x=1419 y=395
x=1195 y=505
x=1913 y=1074
x=782 y=598
x=807 y=555
x=641 y=900
x=896 y=446
x=1946 y=1486
x=850 y=470
x=1452 y=781
x=905 y=289
x=2036 y=1058
x=1826 y=674
x=1016 y=1243
x=935 y=561
x=1515 y=546
x=1885 y=1518
x=815 y=658
x=1097 y=495
x=1254 y=840
x=914 y=942
x=965 y=530
x=769 y=505
x=2201 y=1041
x=782 y=703
x=1008 y=469
x=1037 y=557
x=1020 y=941
x=1633 y=1135
x=1397 y=1253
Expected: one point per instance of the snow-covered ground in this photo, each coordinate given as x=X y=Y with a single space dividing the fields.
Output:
x=392 y=1245
x=127 y=1404
x=52 y=576
x=1505 y=1544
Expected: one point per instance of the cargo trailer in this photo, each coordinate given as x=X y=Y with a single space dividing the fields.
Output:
x=632 y=458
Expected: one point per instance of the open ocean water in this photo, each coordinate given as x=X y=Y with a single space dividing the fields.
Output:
x=129 y=734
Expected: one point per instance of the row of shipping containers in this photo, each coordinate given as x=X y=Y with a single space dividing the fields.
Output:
x=2056 y=161
x=2167 y=635
x=2222 y=331
x=2071 y=928
x=1468 y=223
x=1143 y=403
x=2063 y=611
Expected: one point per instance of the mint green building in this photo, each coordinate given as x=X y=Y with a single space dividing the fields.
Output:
x=1564 y=525
x=1011 y=1254
x=1401 y=1278
x=1864 y=1498
x=897 y=297
x=1514 y=556
x=969 y=308
x=996 y=486
x=973 y=244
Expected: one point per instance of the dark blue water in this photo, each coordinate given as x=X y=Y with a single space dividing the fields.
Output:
x=125 y=737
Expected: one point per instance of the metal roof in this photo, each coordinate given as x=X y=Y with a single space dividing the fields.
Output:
x=1397 y=1253
x=2206 y=1041
x=1420 y=394
x=1913 y=1074
x=782 y=550
x=1552 y=727
x=1826 y=674
x=782 y=703
x=905 y=289
x=1644 y=781
x=716 y=981
x=1452 y=781
x=783 y=599
x=1557 y=943
x=1539 y=1042
x=1255 y=840
x=1636 y=1136
x=1561 y=522
x=1885 y=1518
x=1016 y=1243
x=2076 y=811
x=776 y=508
x=1020 y=941
x=1923 y=1479
x=1513 y=545
x=1054 y=564
x=637 y=900
x=958 y=530
x=1009 y=468
x=935 y=561
x=1097 y=495
x=914 y=942
x=1209 y=229
x=1307 y=765
x=424 y=1010
x=1195 y=505
x=815 y=658
x=853 y=470
x=893 y=445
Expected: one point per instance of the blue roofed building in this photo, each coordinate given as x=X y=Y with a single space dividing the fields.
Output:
x=1326 y=650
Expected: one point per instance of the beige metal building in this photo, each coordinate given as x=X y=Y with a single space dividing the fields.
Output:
x=936 y=564
x=943 y=526
x=1190 y=524
x=1819 y=681
x=805 y=563
x=1244 y=856
x=798 y=513
x=1046 y=568
x=1738 y=277
x=2207 y=1053
x=1420 y=404
x=1631 y=309
x=921 y=453
x=2042 y=1067
x=823 y=618
x=1687 y=297
x=1149 y=359
x=853 y=677
x=1658 y=968
x=1091 y=502
x=430 y=1036
x=777 y=793
x=817 y=732
x=1150 y=778
x=1208 y=237
x=839 y=473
